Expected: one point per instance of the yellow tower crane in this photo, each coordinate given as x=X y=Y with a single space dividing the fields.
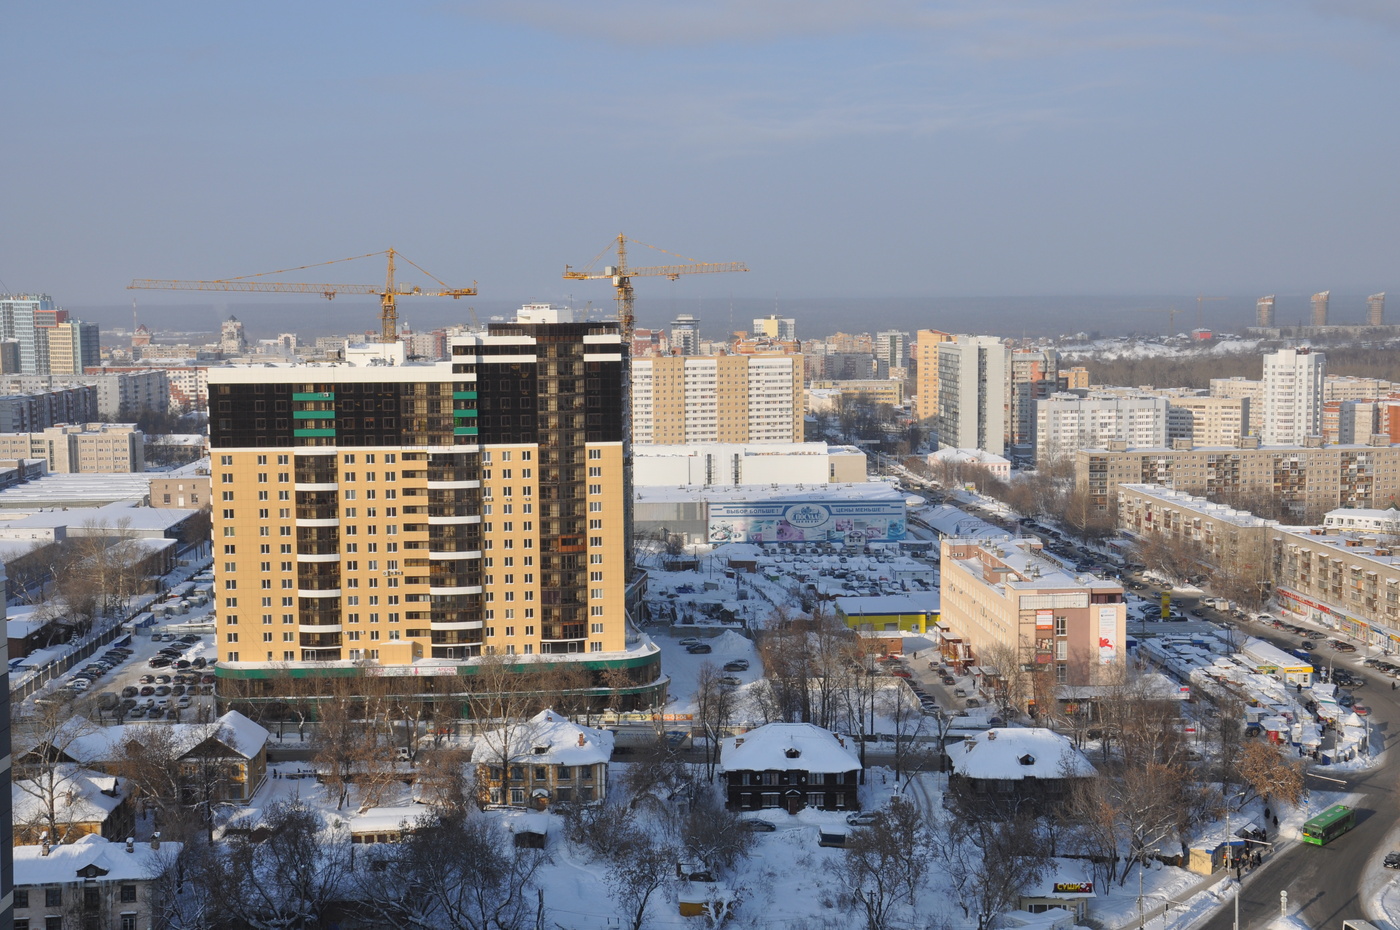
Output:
x=622 y=276
x=1171 y=313
x=1200 y=309
x=388 y=294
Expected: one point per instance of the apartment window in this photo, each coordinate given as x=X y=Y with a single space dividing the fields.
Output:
x=597 y=628
x=595 y=593
x=231 y=637
x=595 y=453
x=596 y=610
x=595 y=524
x=595 y=471
x=595 y=647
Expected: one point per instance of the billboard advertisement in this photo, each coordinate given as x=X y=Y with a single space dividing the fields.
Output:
x=855 y=523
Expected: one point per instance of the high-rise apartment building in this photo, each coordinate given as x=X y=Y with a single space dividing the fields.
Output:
x=685 y=335
x=717 y=398
x=1319 y=307
x=926 y=345
x=1208 y=421
x=1375 y=309
x=1034 y=376
x=776 y=327
x=1293 y=380
x=406 y=519
x=73 y=347
x=891 y=347
x=232 y=340
x=1067 y=423
x=1264 y=311
x=972 y=388
x=26 y=318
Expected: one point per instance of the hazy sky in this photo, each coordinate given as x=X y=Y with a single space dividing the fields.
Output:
x=842 y=149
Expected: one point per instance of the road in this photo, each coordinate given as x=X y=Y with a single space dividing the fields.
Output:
x=1324 y=882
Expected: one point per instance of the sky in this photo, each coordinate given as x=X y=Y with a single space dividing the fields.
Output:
x=847 y=152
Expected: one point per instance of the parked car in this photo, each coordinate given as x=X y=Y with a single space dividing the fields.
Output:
x=731 y=681
x=699 y=649
x=1392 y=860
x=758 y=826
x=737 y=665
x=689 y=641
x=1361 y=710
x=129 y=691
x=863 y=818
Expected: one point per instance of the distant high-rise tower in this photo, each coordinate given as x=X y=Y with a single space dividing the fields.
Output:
x=74 y=347
x=685 y=335
x=776 y=327
x=1264 y=311
x=232 y=341
x=1375 y=309
x=1319 y=304
x=891 y=347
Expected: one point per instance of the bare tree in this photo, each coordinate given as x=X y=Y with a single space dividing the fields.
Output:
x=456 y=874
x=1002 y=857
x=714 y=712
x=43 y=774
x=637 y=870
x=716 y=837
x=1268 y=774
x=289 y=875
x=886 y=863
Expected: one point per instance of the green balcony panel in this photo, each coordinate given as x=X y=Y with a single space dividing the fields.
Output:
x=313 y=414
x=464 y=395
x=461 y=431
x=308 y=433
x=315 y=395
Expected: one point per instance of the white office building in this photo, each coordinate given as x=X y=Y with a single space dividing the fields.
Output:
x=1293 y=383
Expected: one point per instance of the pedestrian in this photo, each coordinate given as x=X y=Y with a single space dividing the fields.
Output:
x=1266 y=813
x=1276 y=820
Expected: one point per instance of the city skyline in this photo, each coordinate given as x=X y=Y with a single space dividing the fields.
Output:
x=890 y=151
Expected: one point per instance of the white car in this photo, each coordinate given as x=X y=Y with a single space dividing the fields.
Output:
x=862 y=818
x=80 y=684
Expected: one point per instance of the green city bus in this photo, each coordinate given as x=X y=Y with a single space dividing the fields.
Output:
x=1328 y=825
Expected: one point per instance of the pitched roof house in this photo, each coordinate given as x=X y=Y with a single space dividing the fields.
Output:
x=548 y=759
x=790 y=766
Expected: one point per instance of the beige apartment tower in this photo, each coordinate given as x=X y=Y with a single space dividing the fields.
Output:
x=926 y=378
x=717 y=398
x=409 y=521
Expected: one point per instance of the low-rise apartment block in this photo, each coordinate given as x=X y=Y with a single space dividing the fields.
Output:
x=93 y=448
x=1002 y=598
x=1344 y=574
x=1306 y=480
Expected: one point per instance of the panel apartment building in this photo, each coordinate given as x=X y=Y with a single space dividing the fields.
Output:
x=1001 y=593
x=414 y=517
x=1344 y=574
x=717 y=398
x=1308 y=480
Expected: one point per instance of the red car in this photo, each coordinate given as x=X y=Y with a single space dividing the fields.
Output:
x=1360 y=709
x=901 y=673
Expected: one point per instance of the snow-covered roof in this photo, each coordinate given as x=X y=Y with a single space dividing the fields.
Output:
x=89 y=745
x=63 y=863
x=80 y=796
x=549 y=738
x=1014 y=753
x=968 y=457
x=387 y=819
x=69 y=489
x=947 y=520
x=865 y=491
x=122 y=514
x=787 y=746
x=884 y=605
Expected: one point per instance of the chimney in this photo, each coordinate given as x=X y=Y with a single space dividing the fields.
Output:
x=581 y=740
x=44 y=842
x=155 y=840
x=131 y=844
